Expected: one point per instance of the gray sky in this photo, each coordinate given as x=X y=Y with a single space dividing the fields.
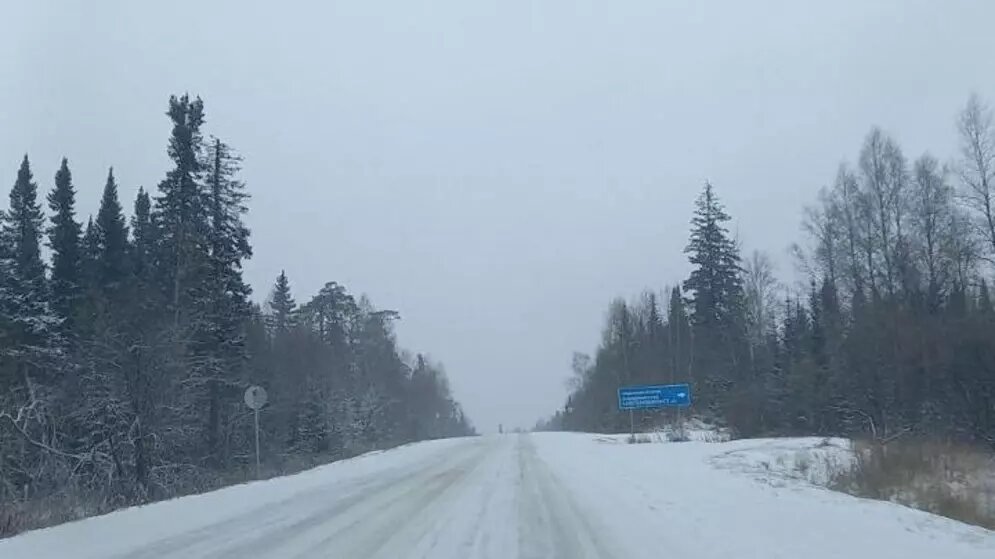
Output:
x=496 y=171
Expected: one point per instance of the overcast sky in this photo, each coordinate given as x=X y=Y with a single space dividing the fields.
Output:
x=495 y=171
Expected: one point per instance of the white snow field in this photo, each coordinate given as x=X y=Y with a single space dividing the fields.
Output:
x=546 y=495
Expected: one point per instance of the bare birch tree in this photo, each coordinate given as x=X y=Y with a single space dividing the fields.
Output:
x=977 y=166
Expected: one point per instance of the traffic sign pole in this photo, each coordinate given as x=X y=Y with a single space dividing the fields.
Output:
x=680 y=425
x=256 y=415
x=632 y=426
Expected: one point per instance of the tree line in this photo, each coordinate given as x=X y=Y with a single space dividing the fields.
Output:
x=124 y=356
x=892 y=333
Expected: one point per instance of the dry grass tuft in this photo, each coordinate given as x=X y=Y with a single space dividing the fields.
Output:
x=952 y=480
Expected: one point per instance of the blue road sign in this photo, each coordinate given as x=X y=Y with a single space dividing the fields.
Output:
x=648 y=396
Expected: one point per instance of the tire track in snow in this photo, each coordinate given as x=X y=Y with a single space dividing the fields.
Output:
x=550 y=523
x=270 y=531
x=394 y=522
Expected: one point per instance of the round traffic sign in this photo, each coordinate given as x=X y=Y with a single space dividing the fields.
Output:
x=255 y=397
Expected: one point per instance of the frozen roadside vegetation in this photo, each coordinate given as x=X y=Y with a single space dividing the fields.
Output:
x=944 y=478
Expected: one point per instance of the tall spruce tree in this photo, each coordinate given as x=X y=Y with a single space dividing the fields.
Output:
x=281 y=305
x=30 y=329
x=180 y=212
x=143 y=237
x=716 y=289
x=228 y=236
x=23 y=228
x=23 y=294
x=112 y=230
x=229 y=309
x=90 y=255
x=64 y=240
x=716 y=282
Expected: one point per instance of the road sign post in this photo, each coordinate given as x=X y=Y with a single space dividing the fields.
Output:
x=652 y=396
x=632 y=426
x=255 y=397
x=255 y=420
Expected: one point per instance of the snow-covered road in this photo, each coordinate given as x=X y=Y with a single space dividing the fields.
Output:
x=503 y=497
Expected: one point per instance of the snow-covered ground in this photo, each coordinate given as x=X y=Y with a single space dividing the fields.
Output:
x=782 y=461
x=545 y=495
